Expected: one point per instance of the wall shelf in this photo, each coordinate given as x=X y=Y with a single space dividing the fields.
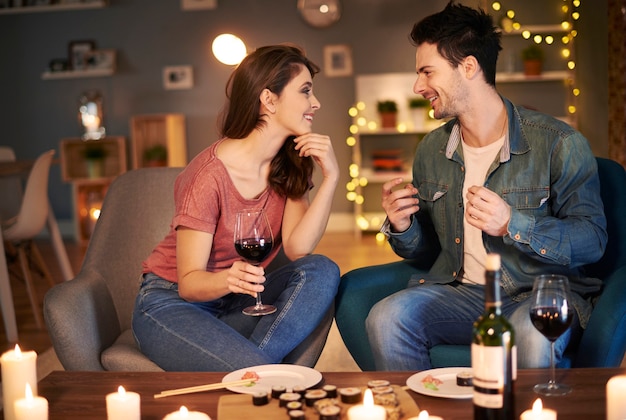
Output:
x=76 y=74
x=546 y=76
x=94 y=4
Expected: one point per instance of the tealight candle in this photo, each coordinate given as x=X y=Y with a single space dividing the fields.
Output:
x=615 y=401
x=18 y=369
x=425 y=416
x=185 y=414
x=31 y=407
x=123 y=405
x=368 y=410
x=538 y=412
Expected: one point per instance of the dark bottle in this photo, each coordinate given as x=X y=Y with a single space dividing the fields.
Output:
x=494 y=359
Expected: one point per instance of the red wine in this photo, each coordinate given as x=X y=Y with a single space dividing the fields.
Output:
x=551 y=322
x=253 y=250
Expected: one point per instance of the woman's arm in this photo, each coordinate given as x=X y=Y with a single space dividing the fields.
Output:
x=195 y=284
x=304 y=222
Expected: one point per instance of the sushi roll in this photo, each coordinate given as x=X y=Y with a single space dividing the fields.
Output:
x=296 y=415
x=260 y=398
x=277 y=390
x=287 y=397
x=314 y=395
x=331 y=412
x=350 y=395
x=331 y=391
x=464 y=378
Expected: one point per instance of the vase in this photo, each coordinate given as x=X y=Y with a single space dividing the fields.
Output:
x=532 y=67
x=388 y=119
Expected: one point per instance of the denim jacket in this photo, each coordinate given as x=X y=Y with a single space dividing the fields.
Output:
x=548 y=175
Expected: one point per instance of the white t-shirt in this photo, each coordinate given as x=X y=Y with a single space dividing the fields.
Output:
x=477 y=163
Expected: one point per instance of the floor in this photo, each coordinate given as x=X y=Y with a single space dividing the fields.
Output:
x=346 y=250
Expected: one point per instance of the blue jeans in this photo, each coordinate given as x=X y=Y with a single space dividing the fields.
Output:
x=403 y=327
x=215 y=336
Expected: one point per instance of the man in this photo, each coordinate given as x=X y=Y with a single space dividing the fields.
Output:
x=495 y=178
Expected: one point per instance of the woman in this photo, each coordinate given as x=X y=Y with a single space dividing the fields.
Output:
x=188 y=314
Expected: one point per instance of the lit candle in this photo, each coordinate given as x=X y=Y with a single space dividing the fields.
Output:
x=425 y=416
x=538 y=412
x=31 y=407
x=185 y=414
x=123 y=405
x=368 y=410
x=615 y=398
x=18 y=369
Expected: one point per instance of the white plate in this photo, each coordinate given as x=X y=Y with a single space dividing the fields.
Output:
x=271 y=375
x=447 y=389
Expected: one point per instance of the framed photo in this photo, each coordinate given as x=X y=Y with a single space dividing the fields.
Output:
x=78 y=51
x=337 y=60
x=100 y=59
x=177 y=77
x=198 y=4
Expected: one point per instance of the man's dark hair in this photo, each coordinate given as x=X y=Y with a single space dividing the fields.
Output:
x=460 y=31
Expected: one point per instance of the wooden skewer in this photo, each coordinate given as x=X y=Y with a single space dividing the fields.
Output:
x=201 y=388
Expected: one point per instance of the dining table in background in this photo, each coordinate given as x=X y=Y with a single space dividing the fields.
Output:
x=22 y=168
x=80 y=395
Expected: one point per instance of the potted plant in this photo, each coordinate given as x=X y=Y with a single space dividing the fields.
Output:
x=418 y=107
x=388 y=111
x=532 y=56
x=94 y=155
x=155 y=156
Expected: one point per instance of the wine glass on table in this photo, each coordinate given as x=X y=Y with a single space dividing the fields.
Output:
x=551 y=313
x=253 y=241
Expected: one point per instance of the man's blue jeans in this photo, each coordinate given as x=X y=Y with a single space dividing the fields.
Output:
x=404 y=326
x=215 y=336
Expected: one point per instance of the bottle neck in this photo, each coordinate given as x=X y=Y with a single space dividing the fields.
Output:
x=492 y=291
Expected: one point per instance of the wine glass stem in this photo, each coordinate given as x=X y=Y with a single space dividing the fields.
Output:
x=552 y=383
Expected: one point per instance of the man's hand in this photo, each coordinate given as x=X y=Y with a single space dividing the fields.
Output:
x=487 y=211
x=399 y=204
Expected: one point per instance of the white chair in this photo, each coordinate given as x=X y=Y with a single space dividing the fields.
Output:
x=20 y=230
x=10 y=188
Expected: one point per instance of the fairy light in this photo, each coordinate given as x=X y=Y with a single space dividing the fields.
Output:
x=571 y=13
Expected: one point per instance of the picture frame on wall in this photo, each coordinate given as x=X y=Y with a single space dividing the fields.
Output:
x=337 y=60
x=100 y=60
x=177 y=77
x=78 y=53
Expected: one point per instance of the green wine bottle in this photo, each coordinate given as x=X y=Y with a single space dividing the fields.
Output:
x=494 y=359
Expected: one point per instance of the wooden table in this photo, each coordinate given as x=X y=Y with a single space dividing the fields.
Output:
x=81 y=395
x=22 y=168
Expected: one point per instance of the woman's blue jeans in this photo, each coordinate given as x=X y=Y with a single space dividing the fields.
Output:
x=403 y=327
x=215 y=336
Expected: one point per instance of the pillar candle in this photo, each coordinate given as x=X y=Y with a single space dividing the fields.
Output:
x=31 y=407
x=538 y=412
x=18 y=369
x=122 y=405
x=185 y=414
x=616 y=398
x=425 y=416
x=368 y=410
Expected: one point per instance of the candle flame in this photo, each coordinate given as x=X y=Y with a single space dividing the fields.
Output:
x=28 y=393
x=423 y=415
x=368 y=398
x=537 y=407
x=18 y=352
x=121 y=390
x=183 y=410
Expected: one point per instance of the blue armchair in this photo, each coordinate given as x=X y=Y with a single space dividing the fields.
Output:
x=603 y=342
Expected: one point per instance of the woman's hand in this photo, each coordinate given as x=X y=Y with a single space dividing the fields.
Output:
x=245 y=278
x=320 y=148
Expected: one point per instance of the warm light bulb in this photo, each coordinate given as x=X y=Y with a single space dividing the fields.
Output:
x=353 y=129
x=496 y=6
x=350 y=141
x=526 y=34
x=229 y=49
x=353 y=112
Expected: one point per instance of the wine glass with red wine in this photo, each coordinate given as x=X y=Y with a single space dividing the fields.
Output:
x=551 y=312
x=253 y=241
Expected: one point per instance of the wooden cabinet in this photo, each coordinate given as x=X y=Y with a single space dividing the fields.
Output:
x=90 y=177
x=160 y=131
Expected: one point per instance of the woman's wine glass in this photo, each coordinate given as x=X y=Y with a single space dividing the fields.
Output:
x=253 y=241
x=551 y=313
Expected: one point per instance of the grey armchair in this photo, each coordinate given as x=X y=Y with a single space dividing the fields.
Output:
x=89 y=317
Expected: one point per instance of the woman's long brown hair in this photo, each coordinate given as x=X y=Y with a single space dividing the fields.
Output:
x=272 y=68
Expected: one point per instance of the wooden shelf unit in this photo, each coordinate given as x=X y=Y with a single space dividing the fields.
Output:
x=93 y=4
x=168 y=130
x=89 y=191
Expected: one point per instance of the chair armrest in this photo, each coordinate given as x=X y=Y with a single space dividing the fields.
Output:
x=604 y=340
x=358 y=291
x=81 y=320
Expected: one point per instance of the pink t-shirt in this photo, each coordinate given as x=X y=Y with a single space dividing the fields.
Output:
x=207 y=200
